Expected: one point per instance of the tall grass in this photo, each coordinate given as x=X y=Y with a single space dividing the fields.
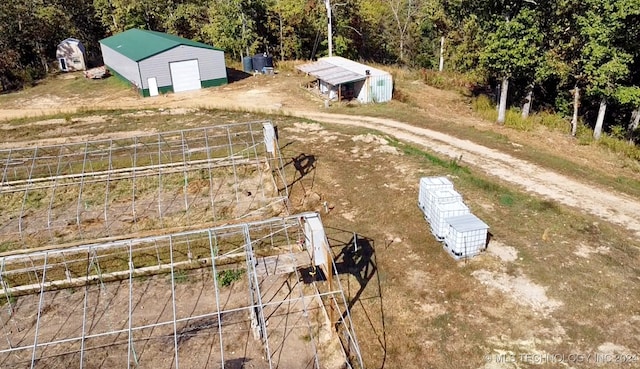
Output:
x=513 y=119
x=446 y=80
x=485 y=107
x=614 y=141
x=287 y=65
x=620 y=146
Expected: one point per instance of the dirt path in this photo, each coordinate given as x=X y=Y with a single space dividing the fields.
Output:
x=611 y=206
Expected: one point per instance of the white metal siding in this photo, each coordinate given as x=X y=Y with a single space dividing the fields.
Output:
x=380 y=88
x=124 y=66
x=375 y=89
x=210 y=62
x=361 y=91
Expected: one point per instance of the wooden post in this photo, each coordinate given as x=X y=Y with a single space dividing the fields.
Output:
x=329 y=275
x=275 y=146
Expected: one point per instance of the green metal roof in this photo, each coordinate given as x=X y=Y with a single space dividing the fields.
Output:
x=137 y=44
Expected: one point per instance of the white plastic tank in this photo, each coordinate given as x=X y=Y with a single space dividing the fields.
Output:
x=439 y=225
x=466 y=236
x=438 y=197
x=429 y=185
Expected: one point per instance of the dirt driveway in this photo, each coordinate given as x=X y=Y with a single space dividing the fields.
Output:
x=282 y=95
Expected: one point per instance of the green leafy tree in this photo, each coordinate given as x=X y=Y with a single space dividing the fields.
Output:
x=630 y=96
x=604 y=63
x=466 y=43
x=287 y=19
x=187 y=20
x=375 y=32
x=512 y=50
x=233 y=25
x=31 y=31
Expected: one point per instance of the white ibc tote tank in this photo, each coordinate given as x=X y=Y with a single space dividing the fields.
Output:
x=466 y=236
x=429 y=185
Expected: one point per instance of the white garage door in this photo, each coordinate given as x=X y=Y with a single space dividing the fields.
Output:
x=185 y=75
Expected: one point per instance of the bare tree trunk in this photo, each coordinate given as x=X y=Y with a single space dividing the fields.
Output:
x=502 y=111
x=633 y=124
x=576 y=106
x=244 y=32
x=43 y=59
x=635 y=120
x=526 y=108
x=281 y=45
x=441 y=68
x=597 y=131
x=403 y=24
x=45 y=64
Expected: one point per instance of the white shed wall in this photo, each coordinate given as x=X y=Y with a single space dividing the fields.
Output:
x=210 y=62
x=120 y=64
x=374 y=89
x=380 y=88
x=72 y=55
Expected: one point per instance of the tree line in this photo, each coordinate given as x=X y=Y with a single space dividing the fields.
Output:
x=575 y=57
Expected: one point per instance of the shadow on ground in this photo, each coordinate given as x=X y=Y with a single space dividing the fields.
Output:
x=234 y=75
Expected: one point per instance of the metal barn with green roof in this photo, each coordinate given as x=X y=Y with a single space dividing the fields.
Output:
x=157 y=62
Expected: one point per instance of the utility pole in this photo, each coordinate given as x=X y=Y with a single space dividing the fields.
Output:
x=327 y=5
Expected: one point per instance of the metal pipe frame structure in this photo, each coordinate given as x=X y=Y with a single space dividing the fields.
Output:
x=108 y=188
x=176 y=300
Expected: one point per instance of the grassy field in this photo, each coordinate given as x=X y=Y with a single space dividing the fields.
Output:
x=553 y=280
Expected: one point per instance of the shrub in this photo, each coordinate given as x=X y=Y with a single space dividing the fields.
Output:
x=484 y=106
x=618 y=132
x=227 y=277
x=460 y=82
x=400 y=95
x=514 y=120
x=553 y=121
x=584 y=134
x=620 y=145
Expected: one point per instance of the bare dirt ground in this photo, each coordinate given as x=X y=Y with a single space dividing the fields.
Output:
x=282 y=94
